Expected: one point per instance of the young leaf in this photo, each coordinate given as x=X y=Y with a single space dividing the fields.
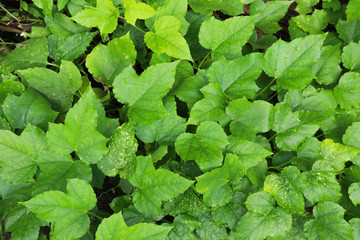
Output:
x=134 y=11
x=59 y=88
x=66 y=212
x=166 y=184
x=19 y=154
x=45 y=5
x=347 y=92
x=107 y=62
x=230 y=7
x=144 y=93
x=115 y=227
x=354 y=193
x=352 y=10
x=351 y=136
x=205 y=147
x=327 y=69
x=328 y=223
x=104 y=16
x=216 y=185
x=349 y=31
x=290 y=63
x=350 y=56
x=313 y=23
x=63 y=27
x=167 y=38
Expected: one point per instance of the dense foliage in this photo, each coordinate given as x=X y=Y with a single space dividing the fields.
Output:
x=180 y=119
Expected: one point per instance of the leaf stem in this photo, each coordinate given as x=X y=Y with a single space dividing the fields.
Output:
x=52 y=64
x=203 y=60
x=3 y=8
x=134 y=25
x=266 y=87
x=94 y=215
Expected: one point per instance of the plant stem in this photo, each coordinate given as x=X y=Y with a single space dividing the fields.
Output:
x=3 y=8
x=202 y=61
x=266 y=87
x=94 y=215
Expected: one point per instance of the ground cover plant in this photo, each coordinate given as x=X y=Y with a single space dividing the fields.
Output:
x=180 y=119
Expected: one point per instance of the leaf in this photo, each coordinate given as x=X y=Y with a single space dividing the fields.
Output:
x=104 y=16
x=63 y=27
x=352 y=12
x=305 y=6
x=69 y=48
x=237 y=77
x=184 y=226
x=144 y=93
x=328 y=223
x=263 y=219
x=286 y=188
x=209 y=229
x=351 y=136
x=348 y=31
x=134 y=11
x=45 y=5
x=29 y=108
x=167 y=38
x=58 y=88
x=313 y=23
x=19 y=154
x=350 y=56
x=205 y=147
x=230 y=7
x=33 y=54
x=114 y=227
x=121 y=158
x=354 y=191
x=347 y=92
x=166 y=184
x=61 y=4
x=290 y=63
x=79 y=133
x=226 y=38
x=107 y=62
x=66 y=212
x=354 y=223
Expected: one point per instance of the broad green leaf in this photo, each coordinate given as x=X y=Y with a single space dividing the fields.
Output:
x=292 y=128
x=205 y=147
x=347 y=92
x=211 y=107
x=230 y=7
x=226 y=38
x=248 y=118
x=58 y=88
x=134 y=11
x=354 y=193
x=297 y=228
x=237 y=77
x=79 y=133
x=45 y=5
x=56 y=169
x=209 y=229
x=286 y=188
x=305 y=6
x=184 y=225
x=19 y=154
x=313 y=23
x=351 y=136
x=10 y=86
x=327 y=69
x=350 y=56
x=250 y=153
x=69 y=48
x=121 y=158
x=355 y=223
x=63 y=27
x=104 y=16
x=167 y=38
x=144 y=93
x=30 y=108
x=349 y=31
x=270 y=14
x=114 y=227
x=308 y=153
x=352 y=10
x=33 y=54
x=107 y=62
x=263 y=219
x=66 y=212
x=61 y=4
x=290 y=63
x=195 y=20
x=166 y=184
x=216 y=185
x=328 y=223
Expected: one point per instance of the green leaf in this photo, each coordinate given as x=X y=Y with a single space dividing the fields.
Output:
x=354 y=193
x=347 y=92
x=45 y=5
x=134 y=11
x=114 y=227
x=61 y=4
x=263 y=219
x=211 y=107
x=58 y=88
x=121 y=158
x=237 y=77
x=350 y=56
x=166 y=184
x=230 y=7
x=63 y=27
x=354 y=223
x=248 y=118
x=104 y=16
x=351 y=136
x=167 y=38
x=352 y=10
x=144 y=93
x=19 y=154
x=79 y=132
x=10 y=86
x=184 y=226
x=66 y=212
x=305 y=6
x=209 y=229
x=69 y=48
x=29 y=108
x=349 y=31
x=205 y=147
x=216 y=185
x=33 y=54
x=327 y=69
x=328 y=223
x=286 y=188
x=107 y=62
x=313 y=23
x=226 y=38
x=290 y=63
